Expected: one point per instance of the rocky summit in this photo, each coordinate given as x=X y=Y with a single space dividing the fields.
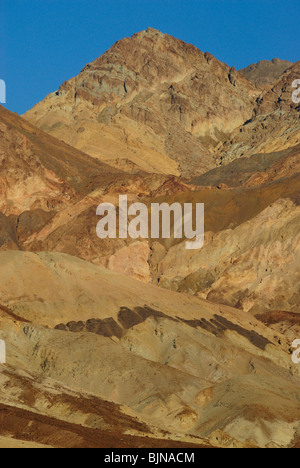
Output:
x=151 y=102
x=139 y=342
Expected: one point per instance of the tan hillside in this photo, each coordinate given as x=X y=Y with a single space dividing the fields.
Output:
x=178 y=363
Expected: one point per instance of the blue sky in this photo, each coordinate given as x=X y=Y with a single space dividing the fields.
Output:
x=45 y=42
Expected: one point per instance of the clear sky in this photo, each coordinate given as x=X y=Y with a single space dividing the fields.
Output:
x=45 y=42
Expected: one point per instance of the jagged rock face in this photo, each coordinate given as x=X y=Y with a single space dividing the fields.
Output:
x=265 y=72
x=150 y=102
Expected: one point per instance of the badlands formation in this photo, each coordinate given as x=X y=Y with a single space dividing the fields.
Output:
x=143 y=343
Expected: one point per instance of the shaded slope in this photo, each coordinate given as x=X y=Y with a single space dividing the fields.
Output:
x=253 y=171
x=265 y=72
x=38 y=171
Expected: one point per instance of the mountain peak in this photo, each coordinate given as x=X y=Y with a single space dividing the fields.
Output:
x=155 y=82
x=149 y=33
x=153 y=31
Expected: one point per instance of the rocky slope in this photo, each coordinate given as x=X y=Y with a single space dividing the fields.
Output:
x=265 y=72
x=183 y=367
x=162 y=346
x=274 y=125
x=150 y=102
x=253 y=266
x=47 y=186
